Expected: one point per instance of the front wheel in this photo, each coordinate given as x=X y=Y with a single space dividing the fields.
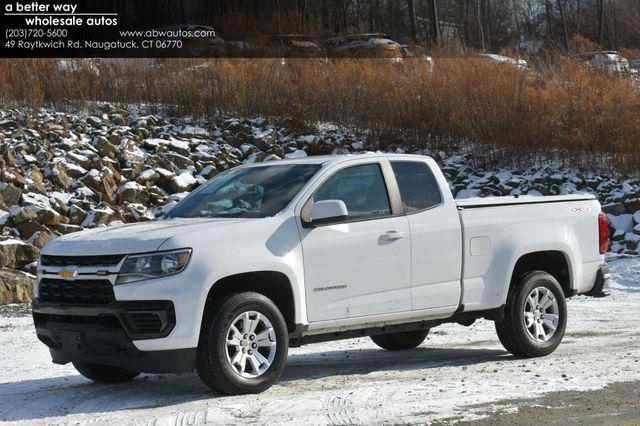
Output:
x=535 y=316
x=104 y=373
x=400 y=341
x=243 y=346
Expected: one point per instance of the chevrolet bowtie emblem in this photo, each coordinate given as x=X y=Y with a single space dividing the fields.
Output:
x=68 y=274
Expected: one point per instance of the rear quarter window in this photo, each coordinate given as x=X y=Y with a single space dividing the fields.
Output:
x=418 y=186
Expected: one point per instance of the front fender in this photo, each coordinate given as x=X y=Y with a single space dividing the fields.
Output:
x=263 y=245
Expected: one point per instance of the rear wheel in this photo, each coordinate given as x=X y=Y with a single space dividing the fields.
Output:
x=400 y=341
x=535 y=316
x=244 y=344
x=104 y=373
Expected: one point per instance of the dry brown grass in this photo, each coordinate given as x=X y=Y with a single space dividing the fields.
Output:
x=567 y=111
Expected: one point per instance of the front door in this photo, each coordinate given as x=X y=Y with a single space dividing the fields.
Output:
x=361 y=267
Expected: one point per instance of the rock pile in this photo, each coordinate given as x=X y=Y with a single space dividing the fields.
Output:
x=64 y=172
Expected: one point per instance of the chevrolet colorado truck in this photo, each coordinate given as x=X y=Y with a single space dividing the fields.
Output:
x=280 y=254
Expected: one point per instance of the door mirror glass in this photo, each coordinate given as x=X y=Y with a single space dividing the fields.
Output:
x=328 y=212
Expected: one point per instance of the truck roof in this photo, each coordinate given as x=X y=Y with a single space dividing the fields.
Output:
x=334 y=159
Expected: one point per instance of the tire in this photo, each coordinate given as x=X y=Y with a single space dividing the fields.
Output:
x=513 y=330
x=400 y=341
x=219 y=365
x=104 y=373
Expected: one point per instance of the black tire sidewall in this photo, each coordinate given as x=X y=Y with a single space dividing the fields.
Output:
x=400 y=341
x=530 y=282
x=216 y=343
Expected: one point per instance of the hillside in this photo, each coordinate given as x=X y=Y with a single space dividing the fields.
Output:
x=65 y=172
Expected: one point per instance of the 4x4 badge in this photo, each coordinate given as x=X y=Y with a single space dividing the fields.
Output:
x=68 y=274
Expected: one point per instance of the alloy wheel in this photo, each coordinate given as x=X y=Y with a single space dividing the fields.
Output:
x=250 y=344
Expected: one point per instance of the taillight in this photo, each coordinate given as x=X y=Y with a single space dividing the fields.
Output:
x=603 y=228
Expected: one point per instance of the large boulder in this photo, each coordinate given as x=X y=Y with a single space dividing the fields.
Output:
x=22 y=214
x=51 y=217
x=106 y=148
x=193 y=132
x=15 y=287
x=632 y=203
x=132 y=192
x=58 y=177
x=15 y=253
x=10 y=194
x=181 y=147
x=614 y=209
x=40 y=238
x=180 y=161
x=148 y=176
x=30 y=227
x=129 y=151
x=35 y=180
x=101 y=216
x=164 y=176
x=101 y=183
x=182 y=183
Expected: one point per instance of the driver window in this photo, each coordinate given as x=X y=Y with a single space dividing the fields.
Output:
x=363 y=190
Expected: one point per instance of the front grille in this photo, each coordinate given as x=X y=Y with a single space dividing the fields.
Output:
x=79 y=292
x=110 y=260
x=108 y=321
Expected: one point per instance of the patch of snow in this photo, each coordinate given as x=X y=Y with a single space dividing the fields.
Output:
x=467 y=193
x=296 y=154
x=62 y=197
x=12 y=241
x=184 y=180
x=129 y=185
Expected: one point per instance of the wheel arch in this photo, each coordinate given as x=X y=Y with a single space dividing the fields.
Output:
x=555 y=262
x=272 y=284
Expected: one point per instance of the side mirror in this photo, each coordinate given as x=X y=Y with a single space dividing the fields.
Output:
x=328 y=212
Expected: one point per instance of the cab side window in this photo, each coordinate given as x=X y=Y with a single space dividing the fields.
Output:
x=363 y=190
x=418 y=186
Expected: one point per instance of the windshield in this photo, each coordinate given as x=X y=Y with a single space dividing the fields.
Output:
x=252 y=192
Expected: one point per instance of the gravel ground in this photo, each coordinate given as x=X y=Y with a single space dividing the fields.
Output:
x=458 y=374
x=15 y=310
x=617 y=404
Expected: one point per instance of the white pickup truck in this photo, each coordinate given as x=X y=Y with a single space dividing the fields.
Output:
x=280 y=254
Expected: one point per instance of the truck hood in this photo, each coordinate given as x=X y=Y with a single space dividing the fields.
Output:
x=129 y=238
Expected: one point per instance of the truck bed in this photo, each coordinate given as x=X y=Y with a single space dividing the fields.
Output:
x=499 y=230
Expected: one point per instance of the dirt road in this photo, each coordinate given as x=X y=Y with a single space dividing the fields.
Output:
x=618 y=404
x=458 y=374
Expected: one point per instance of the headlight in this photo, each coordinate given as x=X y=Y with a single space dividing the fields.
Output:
x=141 y=267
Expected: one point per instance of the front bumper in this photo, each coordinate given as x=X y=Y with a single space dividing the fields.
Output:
x=104 y=334
x=599 y=288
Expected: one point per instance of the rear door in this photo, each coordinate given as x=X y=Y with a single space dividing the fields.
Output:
x=436 y=235
x=361 y=267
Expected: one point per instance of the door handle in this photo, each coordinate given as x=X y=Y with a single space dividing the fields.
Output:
x=393 y=235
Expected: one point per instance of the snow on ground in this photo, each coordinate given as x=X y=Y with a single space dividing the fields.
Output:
x=344 y=382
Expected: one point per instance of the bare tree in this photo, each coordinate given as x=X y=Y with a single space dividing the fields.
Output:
x=483 y=24
x=565 y=29
x=601 y=22
x=413 y=25
x=579 y=17
x=549 y=11
x=480 y=27
x=435 y=23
